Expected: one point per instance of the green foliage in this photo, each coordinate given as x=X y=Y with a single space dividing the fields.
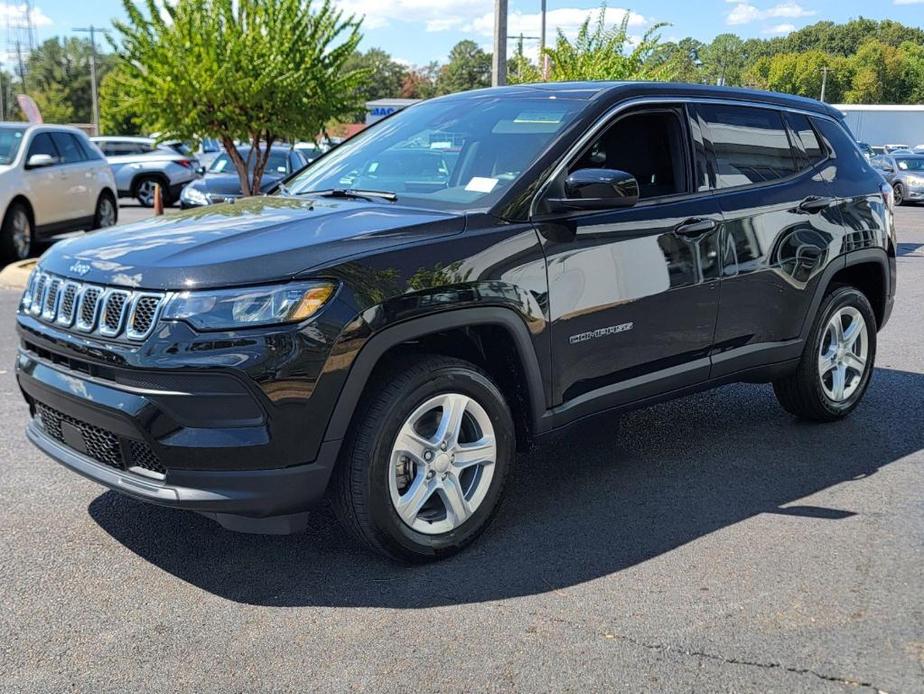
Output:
x=520 y=69
x=114 y=118
x=420 y=83
x=469 y=67
x=254 y=70
x=599 y=53
x=382 y=77
x=58 y=78
x=802 y=74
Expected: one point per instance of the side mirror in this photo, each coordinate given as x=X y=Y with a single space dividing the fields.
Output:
x=200 y=170
x=37 y=161
x=597 y=189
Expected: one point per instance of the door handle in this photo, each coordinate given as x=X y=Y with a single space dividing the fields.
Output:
x=814 y=203
x=696 y=227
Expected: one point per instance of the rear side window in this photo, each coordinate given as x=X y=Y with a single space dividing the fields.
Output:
x=804 y=132
x=750 y=144
x=69 y=148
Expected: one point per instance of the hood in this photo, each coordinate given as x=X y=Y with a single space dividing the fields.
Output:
x=251 y=241
x=220 y=184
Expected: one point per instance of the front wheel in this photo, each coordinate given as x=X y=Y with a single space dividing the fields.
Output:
x=144 y=191
x=422 y=472
x=837 y=361
x=898 y=193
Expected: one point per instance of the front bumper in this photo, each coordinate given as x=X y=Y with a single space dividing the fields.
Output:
x=914 y=193
x=207 y=449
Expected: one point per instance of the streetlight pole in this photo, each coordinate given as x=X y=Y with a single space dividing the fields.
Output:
x=543 y=62
x=499 y=59
x=93 y=90
x=824 y=82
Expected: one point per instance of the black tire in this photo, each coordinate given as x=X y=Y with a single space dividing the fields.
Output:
x=360 y=488
x=14 y=243
x=898 y=193
x=101 y=218
x=802 y=393
x=142 y=190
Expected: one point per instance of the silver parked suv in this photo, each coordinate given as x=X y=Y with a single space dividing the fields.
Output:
x=139 y=163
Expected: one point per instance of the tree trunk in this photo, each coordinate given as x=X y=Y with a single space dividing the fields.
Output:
x=239 y=164
x=262 y=159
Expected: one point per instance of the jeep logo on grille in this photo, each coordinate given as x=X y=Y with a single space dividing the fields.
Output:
x=79 y=268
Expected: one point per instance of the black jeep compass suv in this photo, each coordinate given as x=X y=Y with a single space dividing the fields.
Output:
x=402 y=315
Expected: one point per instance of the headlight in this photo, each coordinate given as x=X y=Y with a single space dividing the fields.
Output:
x=224 y=309
x=915 y=180
x=26 y=301
x=194 y=195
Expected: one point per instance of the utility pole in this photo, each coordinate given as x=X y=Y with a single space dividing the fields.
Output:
x=824 y=81
x=543 y=61
x=499 y=59
x=91 y=30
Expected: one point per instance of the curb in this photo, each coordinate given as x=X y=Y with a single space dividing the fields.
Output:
x=14 y=275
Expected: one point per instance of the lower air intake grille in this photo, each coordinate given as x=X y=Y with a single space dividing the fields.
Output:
x=98 y=443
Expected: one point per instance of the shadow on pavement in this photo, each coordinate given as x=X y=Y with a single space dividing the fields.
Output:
x=595 y=500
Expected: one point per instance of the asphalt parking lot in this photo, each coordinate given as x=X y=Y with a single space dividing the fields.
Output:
x=713 y=543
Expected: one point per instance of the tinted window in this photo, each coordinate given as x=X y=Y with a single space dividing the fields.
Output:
x=750 y=144
x=68 y=147
x=650 y=145
x=910 y=163
x=42 y=144
x=803 y=130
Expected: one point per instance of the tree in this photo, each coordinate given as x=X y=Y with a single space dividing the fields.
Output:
x=114 y=117
x=600 y=53
x=254 y=70
x=878 y=75
x=724 y=60
x=420 y=82
x=678 y=61
x=384 y=77
x=802 y=74
x=913 y=71
x=469 y=67
x=520 y=69
x=58 y=77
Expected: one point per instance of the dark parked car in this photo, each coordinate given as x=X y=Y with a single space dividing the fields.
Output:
x=220 y=181
x=591 y=248
x=905 y=173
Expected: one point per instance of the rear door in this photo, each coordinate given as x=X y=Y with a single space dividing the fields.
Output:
x=633 y=291
x=77 y=175
x=781 y=224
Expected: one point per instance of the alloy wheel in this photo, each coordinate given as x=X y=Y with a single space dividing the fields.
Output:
x=442 y=463
x=898 y=194
x=145 y=193
x=21 y=233
x=843 y=355
x=107 y=213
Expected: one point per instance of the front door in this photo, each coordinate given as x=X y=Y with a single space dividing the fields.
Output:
x=46 y=183
x=633 y=292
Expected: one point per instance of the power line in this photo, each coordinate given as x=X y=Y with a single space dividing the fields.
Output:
x=92 y=30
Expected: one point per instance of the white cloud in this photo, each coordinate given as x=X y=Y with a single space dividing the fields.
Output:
x=568 y=19
x=436 y=16
x=14 y=15
x=779 y=29
x=745 y=13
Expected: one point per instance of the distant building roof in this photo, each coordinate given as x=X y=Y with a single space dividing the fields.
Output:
x=391 y=102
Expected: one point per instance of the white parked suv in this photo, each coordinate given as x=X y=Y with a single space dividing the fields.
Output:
x=52 y=180
x=140 y=163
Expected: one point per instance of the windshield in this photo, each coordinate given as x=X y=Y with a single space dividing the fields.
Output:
x=910 y=163
x=444 y=154
x=278 y=163
x=10 y=139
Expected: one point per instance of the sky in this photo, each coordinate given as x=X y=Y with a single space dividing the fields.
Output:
x=419 y=31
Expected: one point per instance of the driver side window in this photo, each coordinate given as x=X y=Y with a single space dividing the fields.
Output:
x=650 y=145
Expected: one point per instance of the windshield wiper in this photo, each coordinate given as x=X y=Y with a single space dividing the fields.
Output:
x=352 y=193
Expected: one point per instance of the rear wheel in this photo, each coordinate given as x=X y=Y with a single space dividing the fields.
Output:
x=17 y=238
x=898 y=192
x=423 y=469
x=144 y=190
x=107 y=213
x=837 y=361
